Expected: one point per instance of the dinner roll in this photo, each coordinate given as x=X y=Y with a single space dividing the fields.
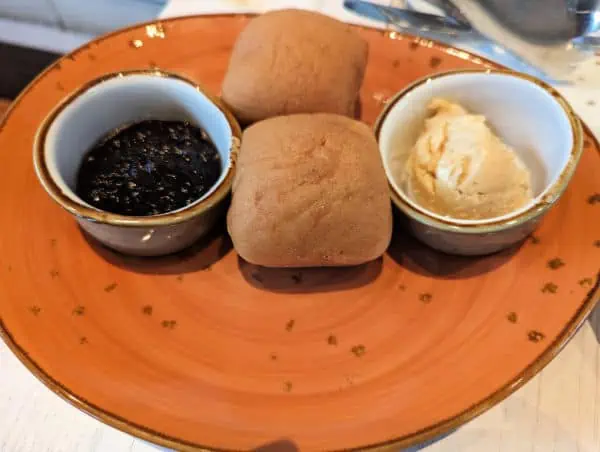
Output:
x=309 y=190
x=294 y=61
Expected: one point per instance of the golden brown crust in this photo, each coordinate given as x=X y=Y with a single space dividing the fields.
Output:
x=294 y=61
x=310 y=190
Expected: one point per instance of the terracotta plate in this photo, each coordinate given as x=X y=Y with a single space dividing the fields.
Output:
x=201 y=350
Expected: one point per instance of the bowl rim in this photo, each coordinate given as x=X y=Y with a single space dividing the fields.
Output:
x=553 y=192
x=85 y=212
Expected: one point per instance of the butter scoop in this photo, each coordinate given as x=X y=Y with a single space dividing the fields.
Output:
x=459 y=168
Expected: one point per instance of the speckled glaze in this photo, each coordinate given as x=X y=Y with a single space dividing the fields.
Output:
x=84 y=112
x=472 y=238
x=202 y=351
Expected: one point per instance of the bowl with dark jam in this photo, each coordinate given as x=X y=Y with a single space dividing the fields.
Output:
x=143 y=160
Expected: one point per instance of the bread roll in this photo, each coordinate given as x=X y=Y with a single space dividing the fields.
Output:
x=294 y=61
x=309 y=190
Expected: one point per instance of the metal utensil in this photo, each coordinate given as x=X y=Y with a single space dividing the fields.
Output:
x=409 y=19
x=474 y=28
x=544 y=26
x=445 y=7
x=545 y=21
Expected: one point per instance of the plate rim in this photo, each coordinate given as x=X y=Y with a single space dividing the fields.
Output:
x=418 y=437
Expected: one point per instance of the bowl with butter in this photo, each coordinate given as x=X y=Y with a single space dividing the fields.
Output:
x=475 y=158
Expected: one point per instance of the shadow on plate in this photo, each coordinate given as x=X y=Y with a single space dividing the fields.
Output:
x=594 y=317
x=282 y=445
x=418 y=258
x=200 y=256
x=358 y=108
x=289 y=446
x=309 y=280
x=422 y=446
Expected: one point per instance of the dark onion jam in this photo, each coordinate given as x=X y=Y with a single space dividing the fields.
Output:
x=149 y=168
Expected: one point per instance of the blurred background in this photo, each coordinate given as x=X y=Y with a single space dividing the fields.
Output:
x=34 y=32
x=89 y=17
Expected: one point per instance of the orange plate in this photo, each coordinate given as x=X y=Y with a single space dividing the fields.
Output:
x=201 y=350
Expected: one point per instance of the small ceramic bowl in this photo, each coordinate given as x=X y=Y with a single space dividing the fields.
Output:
x=111 y=101
x=526 y=113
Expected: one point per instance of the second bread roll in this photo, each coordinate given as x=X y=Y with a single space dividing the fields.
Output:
x=309 y=190
x=294 y=61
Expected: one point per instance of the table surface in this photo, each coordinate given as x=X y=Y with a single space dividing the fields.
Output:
x=558 y=411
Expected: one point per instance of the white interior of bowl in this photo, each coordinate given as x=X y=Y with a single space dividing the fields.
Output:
x=123 y=100
x=522 y=114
